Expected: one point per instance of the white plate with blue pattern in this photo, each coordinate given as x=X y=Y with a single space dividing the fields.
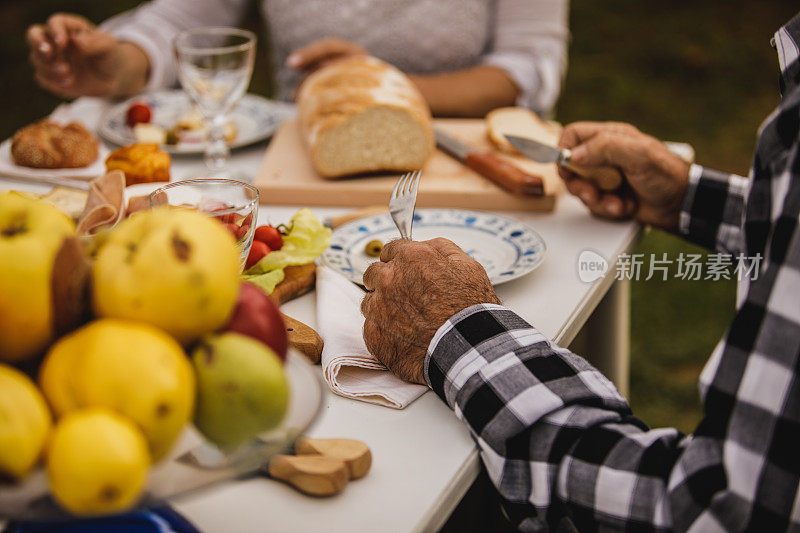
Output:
x=505 y=247
x=255 y=117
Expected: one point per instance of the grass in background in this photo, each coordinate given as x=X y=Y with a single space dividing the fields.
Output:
x=699 y=72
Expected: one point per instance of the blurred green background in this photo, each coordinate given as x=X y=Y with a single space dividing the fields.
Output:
x=698 y=72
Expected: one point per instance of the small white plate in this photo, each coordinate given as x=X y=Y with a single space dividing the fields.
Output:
x=93 y=170
x=506 y=248
x=256 y=118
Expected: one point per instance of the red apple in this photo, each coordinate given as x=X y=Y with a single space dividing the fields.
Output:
x=256 y=315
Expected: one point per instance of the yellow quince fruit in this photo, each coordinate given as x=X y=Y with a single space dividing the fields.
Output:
x=173 y=268
x=130 y=367
x=31 y=233
x=97 y=462
x=24 y=423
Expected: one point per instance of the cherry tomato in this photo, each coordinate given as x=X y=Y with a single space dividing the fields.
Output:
x=228 y=218
x=138 y=112
x=233 y=229
x=241 y=231
x=257 y=251
x=270 y=236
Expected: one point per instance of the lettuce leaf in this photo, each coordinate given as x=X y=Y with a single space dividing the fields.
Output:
x=306 y=241
x=267 y=281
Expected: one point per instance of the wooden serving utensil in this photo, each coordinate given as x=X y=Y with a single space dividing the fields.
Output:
x=317 y=475
x=322 y=467
x=297 y=280
x=304 y=339
x=354 y=453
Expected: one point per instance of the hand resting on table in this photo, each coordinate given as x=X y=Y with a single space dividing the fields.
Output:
x=416 y=287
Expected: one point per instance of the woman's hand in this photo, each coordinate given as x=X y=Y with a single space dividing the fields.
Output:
x=321 y=52
x=655 y=178
x=71 y=57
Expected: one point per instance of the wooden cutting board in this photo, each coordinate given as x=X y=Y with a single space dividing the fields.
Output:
x=286 y=177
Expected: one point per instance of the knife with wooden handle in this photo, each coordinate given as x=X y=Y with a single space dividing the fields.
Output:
x=488 y=165
x=606 y=178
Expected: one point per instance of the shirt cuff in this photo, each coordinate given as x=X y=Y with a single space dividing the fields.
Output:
x=712 y=210
x=161 y=72
x=488 y=345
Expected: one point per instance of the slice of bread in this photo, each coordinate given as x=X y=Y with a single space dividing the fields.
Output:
x=362 y=115
x=518 y=121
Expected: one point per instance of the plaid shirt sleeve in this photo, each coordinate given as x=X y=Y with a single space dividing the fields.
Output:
x=713 y=210
x=560 y=443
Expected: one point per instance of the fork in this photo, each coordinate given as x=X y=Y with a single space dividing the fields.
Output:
x=402 y=202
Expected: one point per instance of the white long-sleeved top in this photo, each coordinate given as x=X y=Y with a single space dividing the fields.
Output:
x=527 y=38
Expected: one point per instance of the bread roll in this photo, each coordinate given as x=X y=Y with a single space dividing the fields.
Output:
x=47 y=144
x=363 y=115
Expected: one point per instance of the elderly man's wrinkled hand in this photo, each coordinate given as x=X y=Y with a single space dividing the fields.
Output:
x=415 y=288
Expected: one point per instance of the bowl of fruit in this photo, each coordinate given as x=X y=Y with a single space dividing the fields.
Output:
x=143 y=372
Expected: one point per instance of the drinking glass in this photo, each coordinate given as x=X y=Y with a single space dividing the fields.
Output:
x=215 y=65
x=233 y=203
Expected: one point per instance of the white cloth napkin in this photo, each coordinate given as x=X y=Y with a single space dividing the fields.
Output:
x=348 y=368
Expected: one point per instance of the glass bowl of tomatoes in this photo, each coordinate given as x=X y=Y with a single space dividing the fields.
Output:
x=233 y=203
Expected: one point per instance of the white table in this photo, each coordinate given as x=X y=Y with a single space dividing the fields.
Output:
x=424 y=459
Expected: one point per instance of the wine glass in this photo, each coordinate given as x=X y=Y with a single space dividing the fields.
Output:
x=215 y=65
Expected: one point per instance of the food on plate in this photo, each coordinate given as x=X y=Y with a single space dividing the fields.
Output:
x=176 y=269
x=359 y=115
x=24 y=423
x=518 y=121
x=31 y=234
x=373 y=248
x=138 y=113
x=257 y=315
x=47 y=144
x=140 y=162
x=304 y=241
x=132 y=368
x=241 y=389
x=190 y=127
x=150 y=133
x=97 y=462
x=269 y=235
x=69 y=201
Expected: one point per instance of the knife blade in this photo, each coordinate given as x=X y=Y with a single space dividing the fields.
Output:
x=606 y=178
x=488 y=165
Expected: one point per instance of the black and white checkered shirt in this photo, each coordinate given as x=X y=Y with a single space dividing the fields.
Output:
x=558 y=440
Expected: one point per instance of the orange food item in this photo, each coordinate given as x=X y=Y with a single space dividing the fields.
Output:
x=141 y=163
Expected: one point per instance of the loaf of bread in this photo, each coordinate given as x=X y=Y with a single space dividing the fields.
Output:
x=362 y=115
x=47 y=144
